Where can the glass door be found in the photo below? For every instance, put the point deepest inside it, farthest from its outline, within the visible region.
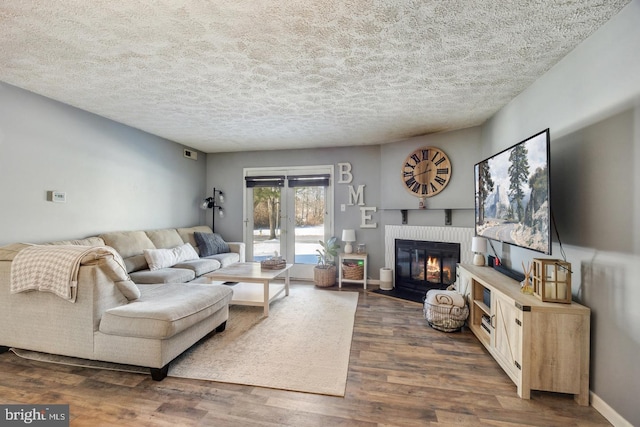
(288, 212)
(308, 220)
(267, 224)
(264, 207)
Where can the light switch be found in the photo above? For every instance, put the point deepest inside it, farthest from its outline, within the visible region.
(57, 196)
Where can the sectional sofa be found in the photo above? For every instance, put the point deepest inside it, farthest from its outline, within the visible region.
(124, 309)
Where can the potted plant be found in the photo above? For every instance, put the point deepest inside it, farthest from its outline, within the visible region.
(324, 273)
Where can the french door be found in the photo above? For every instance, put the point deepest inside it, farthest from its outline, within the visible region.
(287, 211)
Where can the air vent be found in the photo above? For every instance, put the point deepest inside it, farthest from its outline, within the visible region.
(190, 154)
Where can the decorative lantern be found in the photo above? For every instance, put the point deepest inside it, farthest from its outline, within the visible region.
(552, 280)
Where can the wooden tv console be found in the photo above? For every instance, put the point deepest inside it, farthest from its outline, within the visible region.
(541, 346)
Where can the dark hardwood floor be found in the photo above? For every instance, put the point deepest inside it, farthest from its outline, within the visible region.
(401, 373)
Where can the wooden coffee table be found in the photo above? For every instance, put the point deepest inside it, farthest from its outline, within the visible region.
(247, 275)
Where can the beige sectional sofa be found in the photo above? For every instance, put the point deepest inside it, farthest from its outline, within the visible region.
(122, 312)
(132, 244)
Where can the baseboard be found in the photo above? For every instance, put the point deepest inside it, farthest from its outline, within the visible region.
(608, 412)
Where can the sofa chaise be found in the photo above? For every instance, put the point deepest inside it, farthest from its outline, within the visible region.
(121, 310)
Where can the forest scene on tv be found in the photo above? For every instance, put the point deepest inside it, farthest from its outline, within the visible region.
(512, 195)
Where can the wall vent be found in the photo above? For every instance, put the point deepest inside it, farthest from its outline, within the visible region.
(190, 154)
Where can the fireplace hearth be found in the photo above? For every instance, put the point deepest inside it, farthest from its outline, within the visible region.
(421, 266)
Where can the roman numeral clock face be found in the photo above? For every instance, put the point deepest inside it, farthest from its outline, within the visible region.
(426, 172)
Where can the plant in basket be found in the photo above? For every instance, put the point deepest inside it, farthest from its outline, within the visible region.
(324, 273)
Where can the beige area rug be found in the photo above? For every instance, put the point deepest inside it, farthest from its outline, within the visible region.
(303, 345)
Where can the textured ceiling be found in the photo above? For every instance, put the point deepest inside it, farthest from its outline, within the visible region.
(235, 75)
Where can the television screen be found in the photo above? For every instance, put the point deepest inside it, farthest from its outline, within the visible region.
(512, 195)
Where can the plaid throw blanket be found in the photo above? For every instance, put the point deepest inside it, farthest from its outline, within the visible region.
(49, 269)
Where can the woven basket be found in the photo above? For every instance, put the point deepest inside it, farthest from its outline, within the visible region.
(445, 318)
(273, 264)
(352, 271)
(324, 277)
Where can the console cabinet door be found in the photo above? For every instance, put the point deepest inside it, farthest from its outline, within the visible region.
(507, 336)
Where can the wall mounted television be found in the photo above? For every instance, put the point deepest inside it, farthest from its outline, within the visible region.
(512, 195)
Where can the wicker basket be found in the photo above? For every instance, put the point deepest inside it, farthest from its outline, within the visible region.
(352, 271)
(446, 318)
(273, 264)
(324, 277)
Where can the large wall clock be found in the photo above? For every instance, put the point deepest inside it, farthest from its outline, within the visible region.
(426, 172)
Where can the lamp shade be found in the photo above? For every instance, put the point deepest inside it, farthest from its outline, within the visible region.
(478, 244)
(348, 235)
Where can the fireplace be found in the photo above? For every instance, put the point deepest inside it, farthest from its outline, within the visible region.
(424, 265)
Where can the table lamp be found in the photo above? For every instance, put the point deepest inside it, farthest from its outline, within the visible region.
(479, 246)
(348, 237)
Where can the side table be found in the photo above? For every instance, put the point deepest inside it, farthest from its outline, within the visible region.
(353, 257)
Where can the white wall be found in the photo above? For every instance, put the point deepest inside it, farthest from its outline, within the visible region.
(591, 100)
(115, 177)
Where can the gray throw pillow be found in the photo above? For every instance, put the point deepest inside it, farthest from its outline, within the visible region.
(210, 244)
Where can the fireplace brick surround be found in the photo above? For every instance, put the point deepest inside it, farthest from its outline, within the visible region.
(460, 235)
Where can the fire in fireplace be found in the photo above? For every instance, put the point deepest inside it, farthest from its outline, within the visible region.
(422, 265)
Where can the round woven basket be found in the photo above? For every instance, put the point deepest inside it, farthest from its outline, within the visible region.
(324, 277)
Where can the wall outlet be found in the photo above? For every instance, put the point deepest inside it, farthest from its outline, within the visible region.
(56, 196)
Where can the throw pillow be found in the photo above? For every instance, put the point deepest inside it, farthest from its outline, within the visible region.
(163, 258)
(186, 252)
(159, 258)
(210, 244)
